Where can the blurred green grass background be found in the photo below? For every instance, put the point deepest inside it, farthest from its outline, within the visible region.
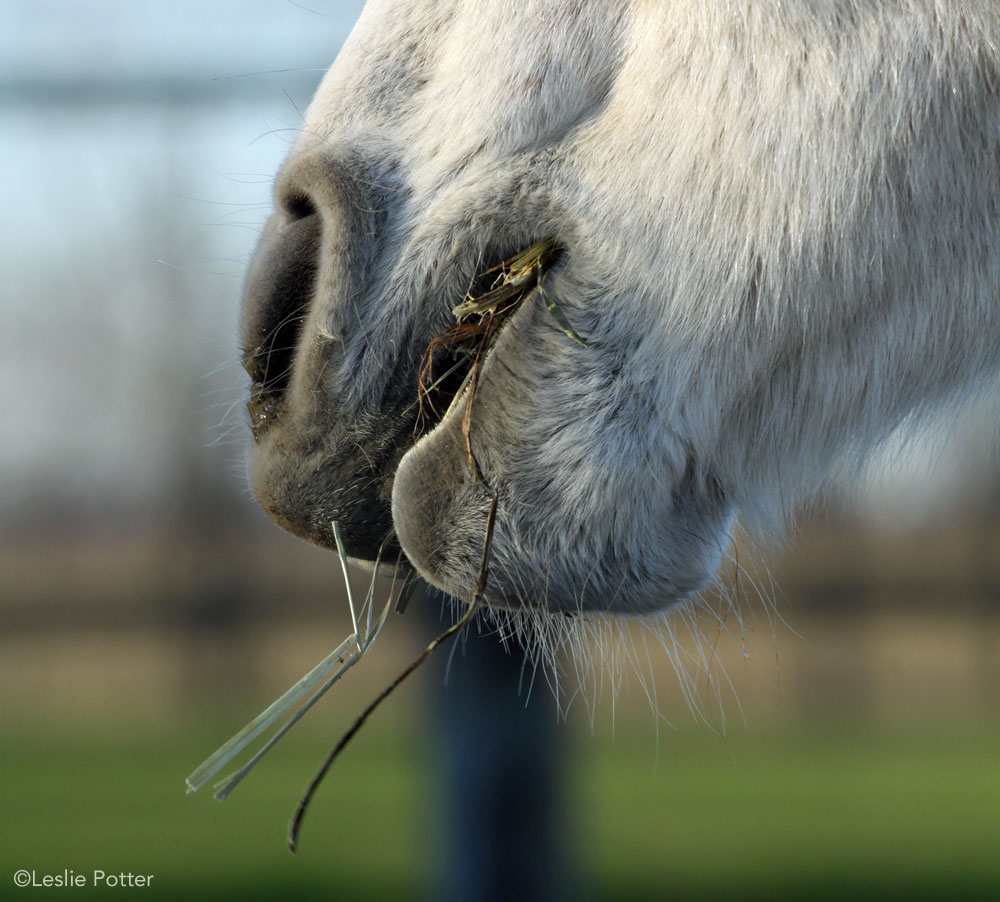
(860, 755)
(775, 811)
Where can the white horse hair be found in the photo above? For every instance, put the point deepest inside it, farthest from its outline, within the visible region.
(779, 227)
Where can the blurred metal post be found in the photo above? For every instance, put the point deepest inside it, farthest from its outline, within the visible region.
(499, 792)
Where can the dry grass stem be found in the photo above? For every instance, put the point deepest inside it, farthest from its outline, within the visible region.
(311, 687)
(480, 316)
(295, 825)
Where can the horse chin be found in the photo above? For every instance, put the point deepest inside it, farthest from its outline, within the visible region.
(441, 504)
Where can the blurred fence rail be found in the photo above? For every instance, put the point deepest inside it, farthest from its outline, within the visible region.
(887, 625)
(951, 567)
(90, 90)
(145, 578)
(150, 580)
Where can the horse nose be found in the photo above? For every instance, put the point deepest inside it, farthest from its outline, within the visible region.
(276, 299)
(310, 257)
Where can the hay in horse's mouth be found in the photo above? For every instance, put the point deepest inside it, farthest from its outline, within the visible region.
(496, 295)
(453, 358)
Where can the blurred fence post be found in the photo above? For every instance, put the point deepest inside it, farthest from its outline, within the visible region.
(498, 772)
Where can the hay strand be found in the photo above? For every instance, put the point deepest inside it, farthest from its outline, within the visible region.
(295, 825)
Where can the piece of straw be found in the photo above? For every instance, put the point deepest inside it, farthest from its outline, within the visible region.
(295, 824)
(342, 657)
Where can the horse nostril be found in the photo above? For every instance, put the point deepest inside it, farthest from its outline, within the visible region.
(297, 206)
(276, 300)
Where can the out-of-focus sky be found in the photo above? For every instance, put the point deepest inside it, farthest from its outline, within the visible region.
(138, 142)
(144, 38)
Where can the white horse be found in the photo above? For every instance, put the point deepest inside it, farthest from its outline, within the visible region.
(776, 228)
